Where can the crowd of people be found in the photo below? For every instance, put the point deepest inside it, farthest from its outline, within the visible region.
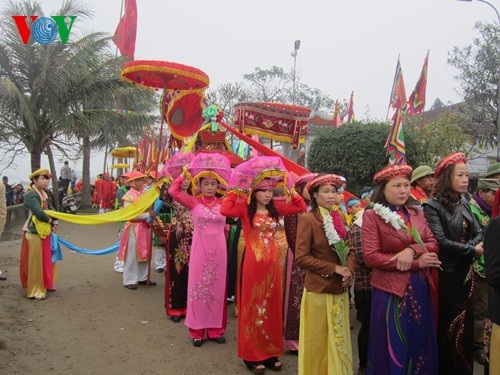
(425, 286)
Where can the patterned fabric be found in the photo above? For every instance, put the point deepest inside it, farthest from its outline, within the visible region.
(325, 179)
(362, 272)
(294, 284)
(392, 171)
(397, 343)
(178, 251)
(418, 194)
(206, 305)
(456, 158)
(261, 294)
(456, 320)
(329, 352)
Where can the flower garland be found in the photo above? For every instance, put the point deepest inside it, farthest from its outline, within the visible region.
(334, 239)
(397, 223)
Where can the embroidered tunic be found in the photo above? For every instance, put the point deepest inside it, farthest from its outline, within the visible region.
(206, 296)
(260, 320)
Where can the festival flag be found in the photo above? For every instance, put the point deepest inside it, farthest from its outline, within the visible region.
(398, 92)
(337, 119)
(126, 31)
(416, 102)
(395, 143)
(350, 111)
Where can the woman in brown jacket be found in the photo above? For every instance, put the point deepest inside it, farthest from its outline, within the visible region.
(321, 249)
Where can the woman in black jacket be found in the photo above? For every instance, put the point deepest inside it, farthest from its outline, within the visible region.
(459, 237)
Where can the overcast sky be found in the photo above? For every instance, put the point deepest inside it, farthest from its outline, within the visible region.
(345, 45)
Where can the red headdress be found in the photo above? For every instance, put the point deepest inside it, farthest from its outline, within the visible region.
(305, 178)
(324, 179)
(391, 171)
(456, 158)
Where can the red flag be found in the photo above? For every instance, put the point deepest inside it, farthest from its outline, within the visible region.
(337, 119)
(126, 31)
(416, 102)
(350, 111)
(398, 92)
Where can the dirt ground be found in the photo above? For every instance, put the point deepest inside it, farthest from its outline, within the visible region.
(93, 325)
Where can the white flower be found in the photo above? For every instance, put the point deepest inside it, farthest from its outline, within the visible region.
(330, 231)
(389, 216)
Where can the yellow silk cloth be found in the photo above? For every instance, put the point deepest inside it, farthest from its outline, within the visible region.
(132, 210)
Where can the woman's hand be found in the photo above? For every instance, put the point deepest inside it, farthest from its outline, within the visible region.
(428, 260)
(404, 259)
(346, 275)
(478, 250)
(152, 214)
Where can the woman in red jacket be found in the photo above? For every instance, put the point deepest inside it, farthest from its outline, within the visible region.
(402, 337)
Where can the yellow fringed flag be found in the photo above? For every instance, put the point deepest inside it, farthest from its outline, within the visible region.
(134, 209)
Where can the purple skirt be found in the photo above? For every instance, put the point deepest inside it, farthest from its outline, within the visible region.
(402, 338)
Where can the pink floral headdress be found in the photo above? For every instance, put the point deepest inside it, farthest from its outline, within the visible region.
(212, 165)
(260, 172)
(173, 166)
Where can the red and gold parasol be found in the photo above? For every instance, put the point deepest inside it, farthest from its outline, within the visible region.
(183, 113)
(164, 75)
(278, 121)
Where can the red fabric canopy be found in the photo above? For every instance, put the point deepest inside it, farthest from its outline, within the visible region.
(164, 75)
(278, 121)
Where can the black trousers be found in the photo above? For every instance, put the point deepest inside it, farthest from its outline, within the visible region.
(363, 302)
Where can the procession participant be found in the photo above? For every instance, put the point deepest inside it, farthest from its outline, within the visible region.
(366, 195)
(362, 291)
(260, 323)
(36, 268)
(322, 251)
(65, 177)
(150, 180)
(354, 209)
(493, 171)
(120, 192)
(401, 305)
(135, 241)
(492, 271)
(206, 313)
(105, 194)
(481, 205)
(459, 236)
(422, 182)
(95, 195)
(178, 243)
(178, 254)
(294, 282)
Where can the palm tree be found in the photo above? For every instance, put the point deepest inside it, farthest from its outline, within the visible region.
(63, 95)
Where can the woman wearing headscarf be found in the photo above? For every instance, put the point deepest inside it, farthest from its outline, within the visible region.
(321, 249)
(206, 312)
(400, 249)
(36, 268)
(459, 237)
(260, 322)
